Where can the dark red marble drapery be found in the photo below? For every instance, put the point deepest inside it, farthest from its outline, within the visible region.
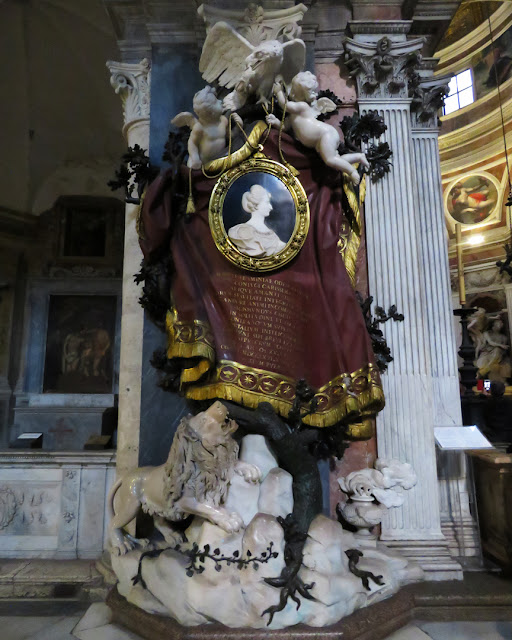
(255, 335)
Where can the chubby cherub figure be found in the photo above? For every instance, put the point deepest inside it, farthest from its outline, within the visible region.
(303, 108)
(207, 139)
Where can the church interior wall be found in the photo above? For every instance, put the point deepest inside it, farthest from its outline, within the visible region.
(62, 159)
(472, 149)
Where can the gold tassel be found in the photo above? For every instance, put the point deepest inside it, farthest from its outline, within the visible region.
(191, 207)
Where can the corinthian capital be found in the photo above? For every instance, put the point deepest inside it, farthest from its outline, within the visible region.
(132, 82)
(382, 69)
(427, 99)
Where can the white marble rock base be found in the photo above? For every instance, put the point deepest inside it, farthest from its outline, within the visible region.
(238, 597)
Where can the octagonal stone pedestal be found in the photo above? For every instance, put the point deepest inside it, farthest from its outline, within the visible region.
(480, 597)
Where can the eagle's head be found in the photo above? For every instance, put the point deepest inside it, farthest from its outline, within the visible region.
(266, 57)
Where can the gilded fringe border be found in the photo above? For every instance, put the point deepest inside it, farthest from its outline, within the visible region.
(364, 404)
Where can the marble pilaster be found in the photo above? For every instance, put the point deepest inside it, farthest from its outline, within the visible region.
(384, 64)
(456, 521)
(132, 83)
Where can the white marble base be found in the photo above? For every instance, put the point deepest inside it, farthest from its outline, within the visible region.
(238, 597)
(54, 503)
(435, 560)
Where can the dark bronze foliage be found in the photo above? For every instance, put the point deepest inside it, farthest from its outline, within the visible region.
(358, 129)
(198, 556)
(378, 156)
(134, 174)
(380, 347)
(156, 273)
(364, 129)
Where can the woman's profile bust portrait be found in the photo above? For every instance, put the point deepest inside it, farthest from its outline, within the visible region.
(254, 237)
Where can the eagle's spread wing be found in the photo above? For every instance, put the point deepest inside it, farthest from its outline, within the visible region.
(223, 56)
(184, 119)
(294, 59)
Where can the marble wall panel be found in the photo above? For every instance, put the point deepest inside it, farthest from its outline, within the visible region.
(54, 505)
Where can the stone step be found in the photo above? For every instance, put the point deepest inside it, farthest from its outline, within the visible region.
(62, 580)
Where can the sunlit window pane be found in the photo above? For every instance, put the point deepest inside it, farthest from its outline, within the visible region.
(464, 80)
(451, 104)
(466, 97)
(460, 92)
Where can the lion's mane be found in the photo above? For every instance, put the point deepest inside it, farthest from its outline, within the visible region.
(196, 471)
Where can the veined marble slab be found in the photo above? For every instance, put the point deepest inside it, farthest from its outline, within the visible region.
(53, 504)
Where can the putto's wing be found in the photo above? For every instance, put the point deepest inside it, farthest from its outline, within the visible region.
(294, 59)
(325, 105)
(223, 56)
(184, 119)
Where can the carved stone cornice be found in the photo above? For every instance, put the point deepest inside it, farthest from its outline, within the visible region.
(427, 95)
(384, 68)
(132, 83)
(255, 23)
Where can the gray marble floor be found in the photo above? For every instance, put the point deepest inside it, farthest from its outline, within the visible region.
(93, 625)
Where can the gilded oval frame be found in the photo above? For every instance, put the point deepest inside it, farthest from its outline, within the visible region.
(216, 219)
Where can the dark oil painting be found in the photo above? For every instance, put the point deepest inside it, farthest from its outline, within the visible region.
(85, 233)
(80, 344)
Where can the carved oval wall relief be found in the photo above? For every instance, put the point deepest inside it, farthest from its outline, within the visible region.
(8, 507)
(472, 199)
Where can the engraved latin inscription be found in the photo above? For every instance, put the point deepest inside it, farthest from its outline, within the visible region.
(269, 317)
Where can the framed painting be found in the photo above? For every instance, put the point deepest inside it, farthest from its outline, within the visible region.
(472, 199)
(79, 344)
(259, 215)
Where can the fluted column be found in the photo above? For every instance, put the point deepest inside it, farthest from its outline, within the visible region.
(428, 96)
(131, 82)
(384, 68)
(427, 100)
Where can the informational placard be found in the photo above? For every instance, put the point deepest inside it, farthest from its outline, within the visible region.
(461, 438)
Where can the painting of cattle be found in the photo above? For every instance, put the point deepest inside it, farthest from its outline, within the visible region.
(79, 344)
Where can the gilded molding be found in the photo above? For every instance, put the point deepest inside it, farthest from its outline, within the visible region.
(357, 393)
(220, 236)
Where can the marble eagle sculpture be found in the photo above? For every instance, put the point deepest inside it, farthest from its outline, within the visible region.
(249, 70)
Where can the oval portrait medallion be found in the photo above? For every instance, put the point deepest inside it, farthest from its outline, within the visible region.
(259, 215)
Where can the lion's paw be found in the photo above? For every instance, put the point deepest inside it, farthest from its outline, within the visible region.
(122, 548)
(249, 472)
(230, 522)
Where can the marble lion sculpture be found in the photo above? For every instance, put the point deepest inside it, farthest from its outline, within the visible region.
(194, 480)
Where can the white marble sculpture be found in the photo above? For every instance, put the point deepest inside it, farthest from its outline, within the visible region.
(202, 592)
(209, 131)
(249, 70)
(253, 237)
(304, 107)
(372, 492)
(194, 480)
(491, 353)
